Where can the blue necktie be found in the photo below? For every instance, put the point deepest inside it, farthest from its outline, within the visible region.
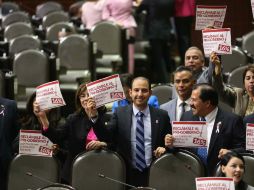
(140, 143)
(202, 151)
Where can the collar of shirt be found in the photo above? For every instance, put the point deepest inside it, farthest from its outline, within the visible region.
(179, 101)
(145, 111)
(211, 116)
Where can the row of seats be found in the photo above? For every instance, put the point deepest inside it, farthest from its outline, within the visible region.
(96, 169)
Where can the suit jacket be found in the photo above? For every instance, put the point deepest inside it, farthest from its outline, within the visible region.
(231, 136)
(8, 131)
(170, 107)
(120, 129)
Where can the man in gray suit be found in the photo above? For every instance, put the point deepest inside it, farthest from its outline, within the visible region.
(183, 81)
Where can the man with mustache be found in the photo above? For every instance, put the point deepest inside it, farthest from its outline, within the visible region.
(225, 131)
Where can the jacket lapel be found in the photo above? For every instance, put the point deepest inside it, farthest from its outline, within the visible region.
(217, 127)
(154, 126)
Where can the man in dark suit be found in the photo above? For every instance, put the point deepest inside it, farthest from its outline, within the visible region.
(124, 127)
(225, 131)
(8, 132)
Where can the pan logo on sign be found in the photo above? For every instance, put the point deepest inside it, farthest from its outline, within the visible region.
(224, 48)
(57, 100)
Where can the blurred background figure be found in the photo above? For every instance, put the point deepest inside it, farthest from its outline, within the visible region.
(91, 12)
(120, 12)
(158, 31)
(183, 17)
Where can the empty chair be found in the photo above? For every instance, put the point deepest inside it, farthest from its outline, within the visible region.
(9, 7)
(88, 166)
(248, 42)
(13, 17)
(24, 42)
(163, 92)
(25, 171)
(53, 30)
(47, 7)
(176, 171)
(75, 56)
(31, 68)
(236, 59)
(236, 77)
(53, 18)
(17, 29)
(108, 37)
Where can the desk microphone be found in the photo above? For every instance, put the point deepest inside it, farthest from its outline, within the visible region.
(117, 181)
(39, 178)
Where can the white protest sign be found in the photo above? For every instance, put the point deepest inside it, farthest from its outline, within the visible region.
(252, 7)
(218, 183)
(249, 136)
(32, 142)
(49, 96)
(210, 16)
(189, 133)
(106, 90)
(217, 40)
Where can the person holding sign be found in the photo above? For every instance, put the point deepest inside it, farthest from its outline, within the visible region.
(183, 82)
(138, 131)
(242, 100)
(232, 165)
(76, 130)
(225, 130)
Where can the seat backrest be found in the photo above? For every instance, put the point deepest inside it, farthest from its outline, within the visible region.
(236, 77)
(54, 17)
(53, 30)
(46, 168)
(74, 52)
(57, 187)
(249, 169)
(17, 29)
(31, 68)
(108, 37)
(24, 42)
(176, 171)
(2, 84)
(88, 166)
(248, 42)
(13, 17)
(9, 7)
(236, 59)
(163, 93)
(47, 7)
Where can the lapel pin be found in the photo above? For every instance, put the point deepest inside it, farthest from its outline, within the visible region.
(218, 127)
(2, 108)
(156, 121)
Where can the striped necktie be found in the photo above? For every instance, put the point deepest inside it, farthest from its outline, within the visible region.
(202, 151)
(140, 143)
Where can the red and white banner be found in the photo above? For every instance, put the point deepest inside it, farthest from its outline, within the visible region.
(32, 142)
(217, 40)
(106, 90)
(216, 183)
(49, 96)
(249, 136)
(210, 16)
(189, 133)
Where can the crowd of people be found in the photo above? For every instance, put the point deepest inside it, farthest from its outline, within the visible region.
(140, 129)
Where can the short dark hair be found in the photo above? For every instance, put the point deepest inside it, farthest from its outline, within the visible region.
(207, 93)
(249, 68)
(142, 78)
(183, 68)
(126, 79)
